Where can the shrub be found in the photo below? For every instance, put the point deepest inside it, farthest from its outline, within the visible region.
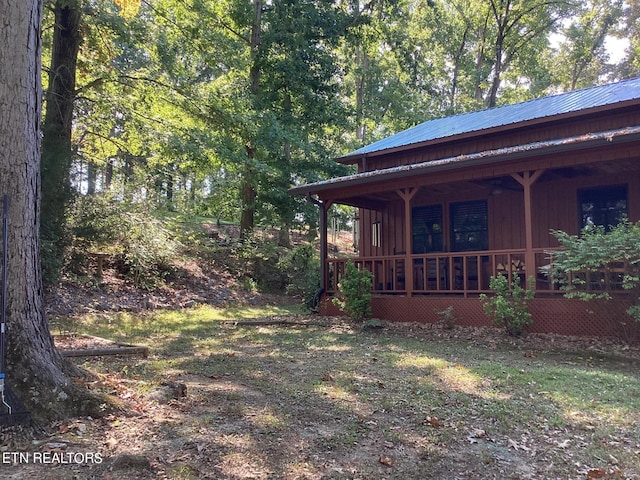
(589, 256)
(50, 260)
(301, 266)
(148, 249)
(275, 269)
(257, 264)
(141, 246)
(508, 307)
(447, 318)
(355, 291)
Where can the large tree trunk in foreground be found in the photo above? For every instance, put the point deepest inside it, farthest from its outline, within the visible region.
(35, 369)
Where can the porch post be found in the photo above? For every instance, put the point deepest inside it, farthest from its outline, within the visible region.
(323, 226)
(323, 207)
(407, 194)
(527, 179)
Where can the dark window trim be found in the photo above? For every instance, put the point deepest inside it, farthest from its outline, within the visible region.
(601, 195)
(458, 231)
(427, 228)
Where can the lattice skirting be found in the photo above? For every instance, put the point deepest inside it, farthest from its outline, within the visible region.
(550, 315)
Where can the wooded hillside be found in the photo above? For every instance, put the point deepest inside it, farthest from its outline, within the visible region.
(218, 107)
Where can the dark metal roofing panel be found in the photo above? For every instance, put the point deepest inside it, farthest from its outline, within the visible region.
(540, 108)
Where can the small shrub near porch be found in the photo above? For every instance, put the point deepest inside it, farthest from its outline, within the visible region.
(355, 292)
(508, 307)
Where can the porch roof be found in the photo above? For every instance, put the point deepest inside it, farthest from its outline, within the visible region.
(505, 117)
(480, 158)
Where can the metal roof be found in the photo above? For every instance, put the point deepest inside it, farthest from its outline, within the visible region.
(541, 108)
(490, 156)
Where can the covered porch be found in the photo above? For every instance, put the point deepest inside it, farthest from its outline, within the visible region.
(444, 228)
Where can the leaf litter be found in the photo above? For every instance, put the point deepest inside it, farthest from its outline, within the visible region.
(318, 398)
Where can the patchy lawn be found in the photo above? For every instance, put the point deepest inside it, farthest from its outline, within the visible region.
(307, 397)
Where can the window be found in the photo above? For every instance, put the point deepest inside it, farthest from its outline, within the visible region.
(469, 229)
(426, 228)
(604, 206)
(376, 234)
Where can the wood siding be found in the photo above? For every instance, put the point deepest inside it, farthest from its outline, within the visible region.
(555, 208)
(521, 136)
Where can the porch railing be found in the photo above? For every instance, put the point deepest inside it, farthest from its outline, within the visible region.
(465, 273)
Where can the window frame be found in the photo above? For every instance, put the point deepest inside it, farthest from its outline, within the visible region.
(376, 233)
(482, 233)
(602, 195)
(436, 234)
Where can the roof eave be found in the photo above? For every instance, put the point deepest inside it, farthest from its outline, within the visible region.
(476, 159)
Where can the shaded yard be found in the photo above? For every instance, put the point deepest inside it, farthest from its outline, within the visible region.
(318, 398)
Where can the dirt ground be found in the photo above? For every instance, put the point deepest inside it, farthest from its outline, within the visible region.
(225, 427)
(205, 424)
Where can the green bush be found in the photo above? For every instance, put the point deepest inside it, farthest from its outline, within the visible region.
(301, 266)
(257, 261)
(275, 269)
(508, 307)
(51, 262)
(148, 249)
(355, 292)
(141, 247)
(447, 317)
(590, 254)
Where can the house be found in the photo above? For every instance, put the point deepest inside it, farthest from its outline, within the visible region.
(447, 204)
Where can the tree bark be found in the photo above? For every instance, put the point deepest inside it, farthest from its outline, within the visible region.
(92, 177)
(56, 130)
(35, 370)
(456, 68)
(108, 173)
(248, 192)
(248, 197)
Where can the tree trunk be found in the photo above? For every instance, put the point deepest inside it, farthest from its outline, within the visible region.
(497, 69)
(248, 191)
(92, 177)
(170, 186)
(284, 236)
(456, 69)
(108, 174)
(480, 60)
(35, 370)
(248, 197)
(56, 129)
(362, 61)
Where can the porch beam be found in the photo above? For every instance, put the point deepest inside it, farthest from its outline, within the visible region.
(362, 203)
(407, 194)
(527, 179)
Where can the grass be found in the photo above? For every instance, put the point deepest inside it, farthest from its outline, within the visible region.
(170, 324)
(339, 402)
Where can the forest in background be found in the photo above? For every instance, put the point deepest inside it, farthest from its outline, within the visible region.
(218, 107)
(159, 110)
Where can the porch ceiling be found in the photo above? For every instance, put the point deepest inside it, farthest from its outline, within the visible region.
(378, 200)
(374, 189)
